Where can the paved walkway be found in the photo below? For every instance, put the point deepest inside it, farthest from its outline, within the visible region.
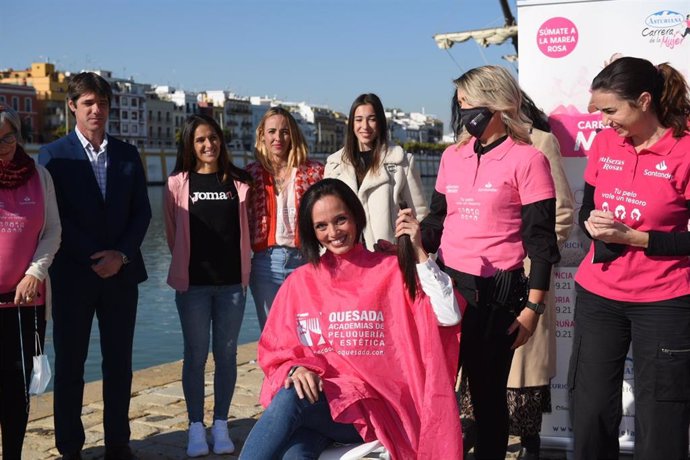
(158, 414)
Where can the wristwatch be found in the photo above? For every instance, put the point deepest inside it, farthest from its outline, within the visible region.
(537, 308)
(125, 259)
(292, 370)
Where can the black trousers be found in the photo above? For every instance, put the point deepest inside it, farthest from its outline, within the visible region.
(660, 337)
(114, 302)
(14, 385)
(485, 358)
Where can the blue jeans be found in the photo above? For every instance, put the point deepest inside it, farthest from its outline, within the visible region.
(201, 307)
(293, 428)
(269, 270)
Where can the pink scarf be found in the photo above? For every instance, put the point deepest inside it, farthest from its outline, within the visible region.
(18, 171)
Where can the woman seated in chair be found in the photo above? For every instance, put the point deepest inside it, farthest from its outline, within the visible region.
(354, 350)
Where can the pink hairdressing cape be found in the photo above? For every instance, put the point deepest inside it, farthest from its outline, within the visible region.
(387, 367)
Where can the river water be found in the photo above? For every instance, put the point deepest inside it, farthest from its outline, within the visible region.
(157, 336)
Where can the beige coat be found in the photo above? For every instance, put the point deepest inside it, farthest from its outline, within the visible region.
(534, 363)
(397, 179)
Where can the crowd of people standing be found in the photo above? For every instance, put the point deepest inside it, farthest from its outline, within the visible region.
(372, 302)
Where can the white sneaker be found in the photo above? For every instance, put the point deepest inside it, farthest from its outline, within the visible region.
(222, 444)
(197, 445)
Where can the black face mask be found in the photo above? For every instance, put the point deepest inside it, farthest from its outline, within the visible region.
(475, 120)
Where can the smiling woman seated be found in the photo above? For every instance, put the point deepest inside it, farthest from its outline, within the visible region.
(353, 353)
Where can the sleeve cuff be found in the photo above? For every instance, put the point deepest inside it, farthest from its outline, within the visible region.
(540, 275)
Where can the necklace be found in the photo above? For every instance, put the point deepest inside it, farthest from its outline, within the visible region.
(281, 179)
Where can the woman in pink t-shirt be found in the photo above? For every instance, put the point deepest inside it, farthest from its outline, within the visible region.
(29, 238)
(634, 285)
(494, 204)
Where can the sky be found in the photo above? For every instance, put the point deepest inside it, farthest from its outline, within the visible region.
(323, 52)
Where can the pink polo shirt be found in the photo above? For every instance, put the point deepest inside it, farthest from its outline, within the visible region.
(646, 191)
(485, 196)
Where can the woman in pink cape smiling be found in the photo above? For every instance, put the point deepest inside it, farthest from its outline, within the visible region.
(360, 346)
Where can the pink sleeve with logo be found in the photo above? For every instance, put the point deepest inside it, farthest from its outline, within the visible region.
(535, 182)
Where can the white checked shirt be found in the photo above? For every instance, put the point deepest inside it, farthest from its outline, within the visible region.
(98, 158)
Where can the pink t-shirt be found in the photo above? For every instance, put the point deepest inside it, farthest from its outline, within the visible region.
(21, 221)
(646, 191)
(485, 196)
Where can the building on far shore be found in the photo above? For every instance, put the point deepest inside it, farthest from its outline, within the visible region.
(49, 107)
(151, 116)
(22, 99)
(164, 121)
(414, 127)
(127, 118)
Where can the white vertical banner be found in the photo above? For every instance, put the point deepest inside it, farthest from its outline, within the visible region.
(563, 45)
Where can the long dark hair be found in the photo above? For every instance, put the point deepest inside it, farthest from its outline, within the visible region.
(406, 258)
(629, 77)
(186, 158)
(351, 150)
(539, 119)
(310, 245)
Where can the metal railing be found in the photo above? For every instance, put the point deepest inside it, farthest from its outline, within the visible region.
(159, 162)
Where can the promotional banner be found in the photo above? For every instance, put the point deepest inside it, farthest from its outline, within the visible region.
(563, 45)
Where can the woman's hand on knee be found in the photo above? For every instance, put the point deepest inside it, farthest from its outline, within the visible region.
(307, 384)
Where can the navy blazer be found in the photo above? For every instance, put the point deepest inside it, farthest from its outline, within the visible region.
(90, 223)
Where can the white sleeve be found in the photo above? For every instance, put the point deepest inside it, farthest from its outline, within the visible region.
(439, 287)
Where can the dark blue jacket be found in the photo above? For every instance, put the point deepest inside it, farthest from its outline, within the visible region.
(90, 223)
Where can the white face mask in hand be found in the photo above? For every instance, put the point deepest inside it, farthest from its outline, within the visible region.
(41, 374)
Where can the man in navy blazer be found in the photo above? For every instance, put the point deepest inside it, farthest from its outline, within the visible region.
(104, 208)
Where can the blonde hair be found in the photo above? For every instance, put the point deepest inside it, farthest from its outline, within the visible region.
(495, 88)
(298, 147)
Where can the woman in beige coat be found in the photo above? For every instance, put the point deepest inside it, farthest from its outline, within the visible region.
(381, 175)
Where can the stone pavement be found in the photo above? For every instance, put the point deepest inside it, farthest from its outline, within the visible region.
(158, 417)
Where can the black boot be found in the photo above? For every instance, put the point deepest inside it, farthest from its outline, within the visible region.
(532, 445)
(469, 434)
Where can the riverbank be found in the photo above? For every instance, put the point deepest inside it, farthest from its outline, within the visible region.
(158, 417)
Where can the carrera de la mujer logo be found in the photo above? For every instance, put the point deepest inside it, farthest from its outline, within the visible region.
(666, 28)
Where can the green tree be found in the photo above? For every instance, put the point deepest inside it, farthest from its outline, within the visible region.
(59, 132)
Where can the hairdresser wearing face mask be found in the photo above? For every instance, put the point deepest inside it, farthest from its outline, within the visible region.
(493, 204)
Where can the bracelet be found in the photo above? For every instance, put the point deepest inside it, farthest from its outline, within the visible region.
(292, 370)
